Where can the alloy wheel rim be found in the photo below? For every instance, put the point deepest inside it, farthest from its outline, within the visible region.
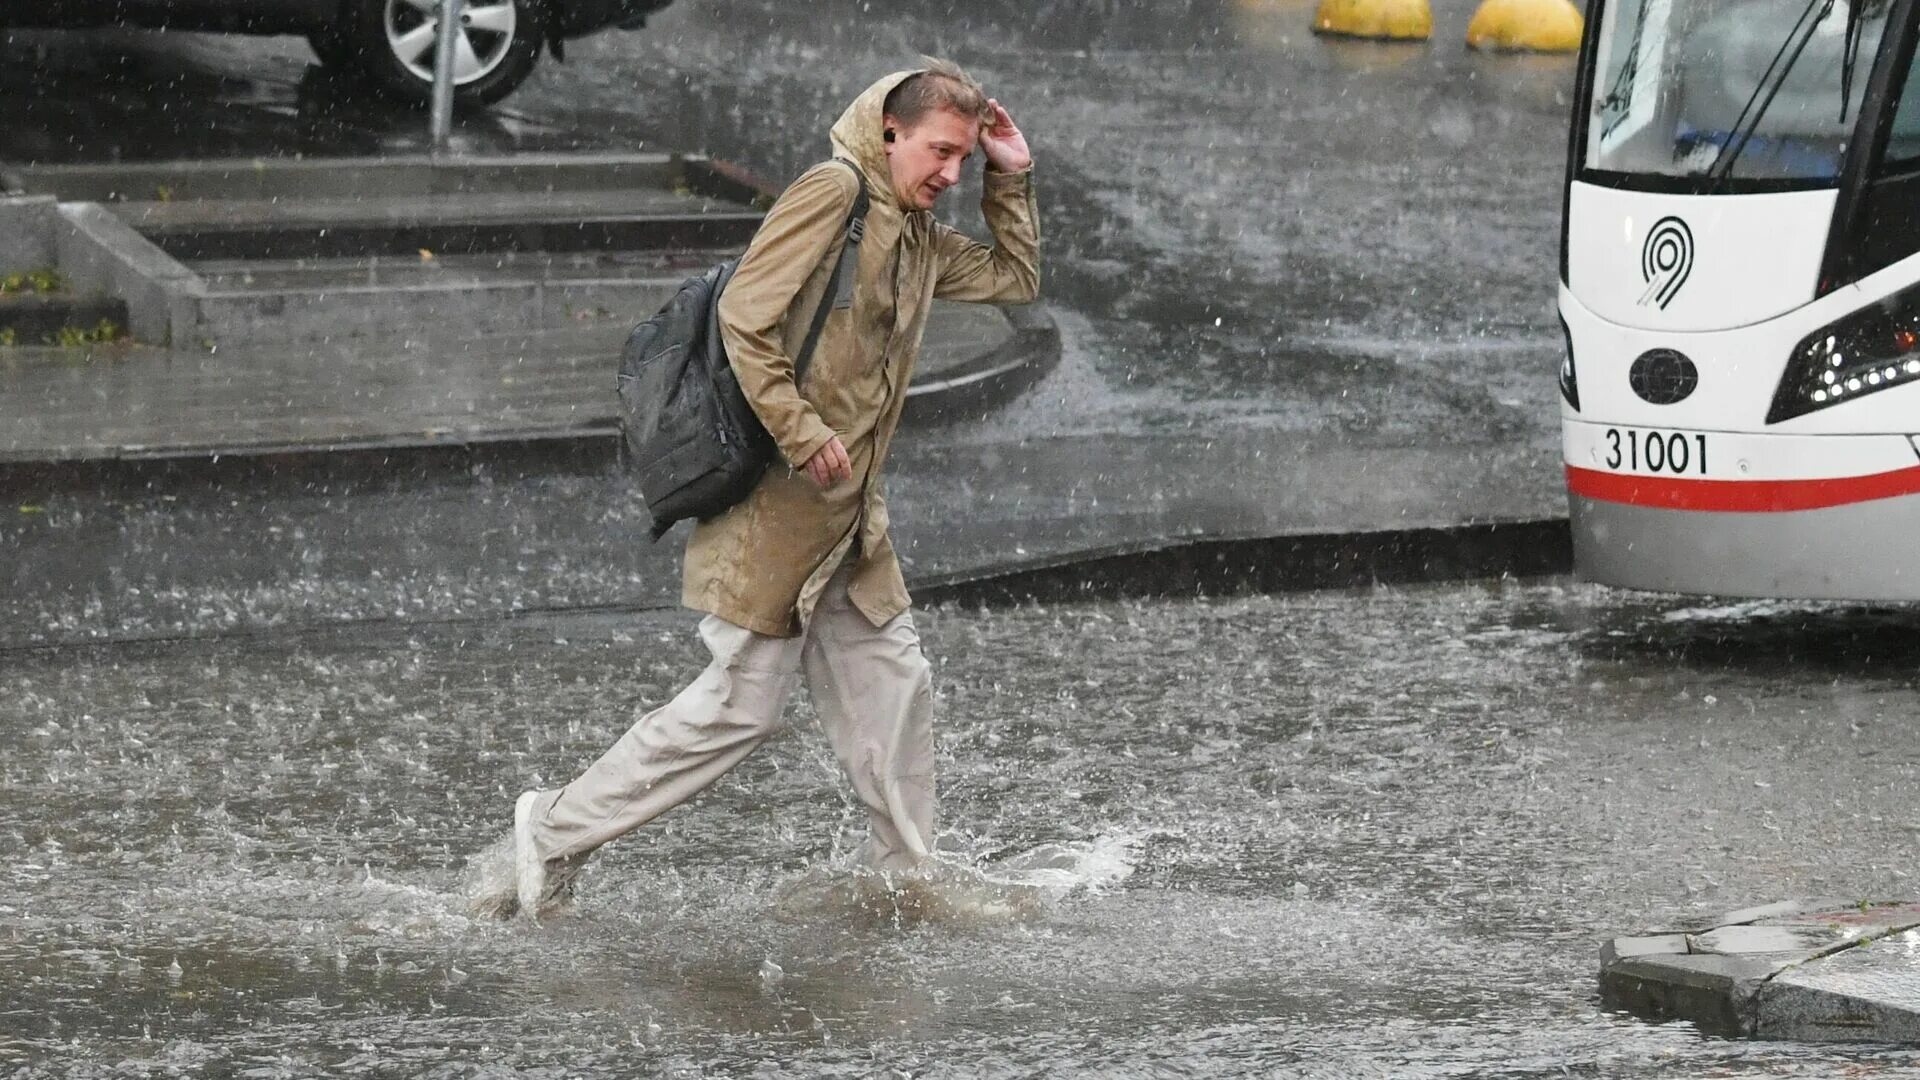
(486, 32)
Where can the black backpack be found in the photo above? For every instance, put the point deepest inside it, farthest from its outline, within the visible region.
(691, 438)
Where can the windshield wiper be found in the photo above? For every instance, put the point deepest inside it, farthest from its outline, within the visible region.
(1850, 55)
(1771, 80)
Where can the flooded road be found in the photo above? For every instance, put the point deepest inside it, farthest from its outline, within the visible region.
(1368, 833)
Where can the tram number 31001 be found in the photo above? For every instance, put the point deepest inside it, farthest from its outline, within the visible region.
(1657, 451)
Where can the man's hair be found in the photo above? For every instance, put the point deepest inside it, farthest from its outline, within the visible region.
(942, 85)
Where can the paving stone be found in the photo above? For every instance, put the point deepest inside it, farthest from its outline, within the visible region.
(1808, 939)
(1881, 917)
(1621, 948)
(1782, 909)
(1868, 993)
(1715, 992)
(1808, 970)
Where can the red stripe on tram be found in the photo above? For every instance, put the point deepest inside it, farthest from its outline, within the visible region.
(1740, 496)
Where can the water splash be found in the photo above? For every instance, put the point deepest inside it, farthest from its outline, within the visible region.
(950, 889)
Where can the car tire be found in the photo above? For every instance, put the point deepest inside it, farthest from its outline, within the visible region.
(390, 43)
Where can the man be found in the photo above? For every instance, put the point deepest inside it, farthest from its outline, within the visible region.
(800, 579)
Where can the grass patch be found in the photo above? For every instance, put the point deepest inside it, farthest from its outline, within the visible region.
(100, 333)
(42, 280)
(104, 332)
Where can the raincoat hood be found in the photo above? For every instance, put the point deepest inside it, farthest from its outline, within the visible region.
(858, 137)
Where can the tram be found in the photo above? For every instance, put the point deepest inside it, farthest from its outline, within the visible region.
(1740, 291)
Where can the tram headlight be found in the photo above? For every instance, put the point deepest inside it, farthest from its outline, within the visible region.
(1569, 383)
(1872, 349)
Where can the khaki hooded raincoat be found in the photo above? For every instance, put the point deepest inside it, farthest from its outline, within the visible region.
(763, 564)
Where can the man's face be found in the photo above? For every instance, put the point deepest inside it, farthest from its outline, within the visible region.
(926, 158)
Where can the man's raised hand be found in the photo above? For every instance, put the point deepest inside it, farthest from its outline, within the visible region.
(1001, 141)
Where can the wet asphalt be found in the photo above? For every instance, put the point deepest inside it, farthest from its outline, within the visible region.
(1334, 834)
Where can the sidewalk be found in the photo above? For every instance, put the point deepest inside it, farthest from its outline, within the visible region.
(131, 403)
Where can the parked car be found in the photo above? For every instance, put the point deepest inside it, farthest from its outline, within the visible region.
(390, 43)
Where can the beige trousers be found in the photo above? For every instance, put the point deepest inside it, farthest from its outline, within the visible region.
(874, 695)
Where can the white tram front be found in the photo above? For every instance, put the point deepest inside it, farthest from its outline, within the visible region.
(1740, 287)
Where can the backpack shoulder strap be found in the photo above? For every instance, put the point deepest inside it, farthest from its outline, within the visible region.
(840, 283)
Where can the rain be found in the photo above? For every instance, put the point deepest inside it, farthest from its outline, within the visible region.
(1275, 733)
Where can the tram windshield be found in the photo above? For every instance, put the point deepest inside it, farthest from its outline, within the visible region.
(1732, 90)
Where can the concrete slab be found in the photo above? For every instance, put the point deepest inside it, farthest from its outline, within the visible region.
(333, 228)
(26, 232)
(411, 270)
(1795, 970)
(133, 402)
(97, 252)
(1859, 916)
(1810, 940)
(1714, 992)
(137, 231)
(288, 177)
(1780, 909)
(1866, 994)
(1621, 948)
(375, 316)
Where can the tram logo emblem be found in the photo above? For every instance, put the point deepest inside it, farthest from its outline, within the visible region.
(1665, 261)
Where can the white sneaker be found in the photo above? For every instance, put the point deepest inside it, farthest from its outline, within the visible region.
(529, 869)
(488, 882)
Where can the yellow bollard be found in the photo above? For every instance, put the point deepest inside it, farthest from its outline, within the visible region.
(1526, 26)
(1387, 20)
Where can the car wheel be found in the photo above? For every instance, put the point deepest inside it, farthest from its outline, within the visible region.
(393, 43)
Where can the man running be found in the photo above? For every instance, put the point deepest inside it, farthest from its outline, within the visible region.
(800, 579)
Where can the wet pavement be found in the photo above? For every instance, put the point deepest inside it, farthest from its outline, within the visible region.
(1351, 239)
(1811, 970)
(1303, 285)
(1339, 834)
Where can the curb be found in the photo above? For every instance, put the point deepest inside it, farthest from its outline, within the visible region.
(1259, 564)
(995, 378)
(345, 464)
(1803, 970)
(1177, 568)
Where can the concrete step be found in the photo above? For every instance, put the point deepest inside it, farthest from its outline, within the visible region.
(44, 318)
(267, 179)
(449, 224)
(338, 299)
(411, 270)
(281, 251)
(383, 312)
